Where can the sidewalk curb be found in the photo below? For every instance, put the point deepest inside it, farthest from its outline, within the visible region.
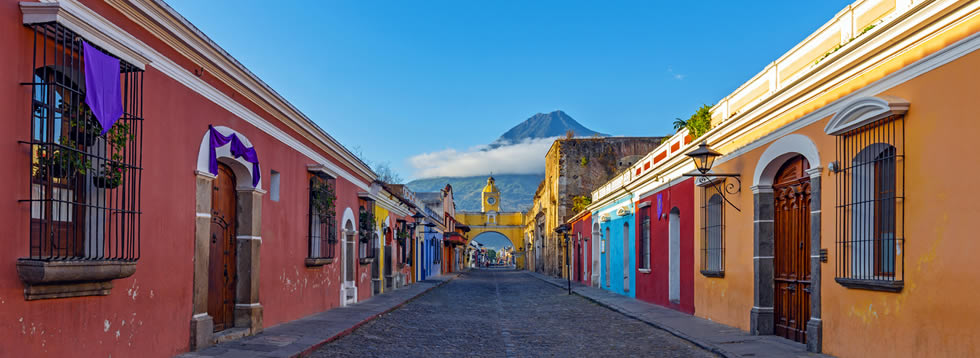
(700, 343)
(344, 333)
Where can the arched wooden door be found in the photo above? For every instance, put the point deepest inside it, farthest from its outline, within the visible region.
(791, 191)
(221, 266)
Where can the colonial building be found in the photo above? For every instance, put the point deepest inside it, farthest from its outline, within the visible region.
(192, 204)
(573, 168)
(825, 219)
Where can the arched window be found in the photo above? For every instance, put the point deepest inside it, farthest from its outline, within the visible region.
(712, 236)
(605, 249)
(626, 256)
(870, 211)
(643, 253)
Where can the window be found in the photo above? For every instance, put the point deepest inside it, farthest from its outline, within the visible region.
(870, 199)
(274, 186)
(626, 256)
(605, 247)
(367, 233)
(712, 233)
(85, 185)
(644, 251)
(322, 218)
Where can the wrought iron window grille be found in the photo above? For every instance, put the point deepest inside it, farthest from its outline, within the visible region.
(712, 234)
(85, 187)
(323, 230)
(870, 199)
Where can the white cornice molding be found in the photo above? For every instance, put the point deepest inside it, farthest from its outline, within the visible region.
(864, 110)
(188, 79)
(168, 26)
(86, 23)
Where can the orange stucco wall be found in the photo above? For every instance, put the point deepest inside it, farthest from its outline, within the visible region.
(936, 314)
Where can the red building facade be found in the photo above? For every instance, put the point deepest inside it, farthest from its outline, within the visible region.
(664, 219)
(581, 253)
(187, 228)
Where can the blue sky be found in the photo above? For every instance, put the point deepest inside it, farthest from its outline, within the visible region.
(397, 79)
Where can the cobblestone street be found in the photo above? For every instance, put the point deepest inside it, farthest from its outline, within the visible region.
(503, 313)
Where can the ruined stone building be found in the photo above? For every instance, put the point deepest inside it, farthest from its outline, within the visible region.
(573, 168)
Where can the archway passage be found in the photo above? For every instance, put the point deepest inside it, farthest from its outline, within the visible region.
(514, 235)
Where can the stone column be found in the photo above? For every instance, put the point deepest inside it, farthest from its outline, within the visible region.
(248, 310)
(202, 325)
(814, 327)
(761, 321)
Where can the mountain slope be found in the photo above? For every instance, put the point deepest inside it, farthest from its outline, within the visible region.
(516, 190)
(543, 125)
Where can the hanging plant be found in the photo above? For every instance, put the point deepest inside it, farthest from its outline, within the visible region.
(323, 199)
(366, 223)
(112, 170)
(60, 163)
(82, 126)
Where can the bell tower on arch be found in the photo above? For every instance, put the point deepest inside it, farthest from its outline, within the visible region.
(491, 197)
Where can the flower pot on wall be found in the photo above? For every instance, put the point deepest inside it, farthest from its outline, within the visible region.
(104, 182)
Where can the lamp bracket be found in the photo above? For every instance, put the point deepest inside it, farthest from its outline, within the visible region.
(731, 187)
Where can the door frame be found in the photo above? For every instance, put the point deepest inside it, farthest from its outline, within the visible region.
(248, 310)
(349, 234)
(762, 316)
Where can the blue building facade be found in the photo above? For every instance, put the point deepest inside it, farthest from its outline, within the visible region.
(617, 259)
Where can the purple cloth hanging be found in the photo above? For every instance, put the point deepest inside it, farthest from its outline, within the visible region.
(238, 150)
(102, 92)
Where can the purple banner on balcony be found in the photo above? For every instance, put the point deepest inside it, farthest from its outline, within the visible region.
(238, 150)
(102, 93)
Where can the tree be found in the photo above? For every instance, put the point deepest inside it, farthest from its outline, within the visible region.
(698, 124)
(579, 203)
(569, 134)
(491, 255)
(386, 174)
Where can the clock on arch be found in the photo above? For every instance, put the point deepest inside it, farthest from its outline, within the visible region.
(491, 200)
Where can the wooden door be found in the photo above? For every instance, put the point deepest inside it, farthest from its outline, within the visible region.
(221, 267)
(792, 249)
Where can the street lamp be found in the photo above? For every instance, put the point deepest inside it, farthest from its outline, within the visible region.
(704, 158)
(563, 231)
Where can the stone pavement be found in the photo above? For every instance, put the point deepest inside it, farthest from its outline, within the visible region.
(723, 340)
(301, 337)
(506, 313)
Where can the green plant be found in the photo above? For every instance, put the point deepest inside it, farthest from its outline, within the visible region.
(112, 170)
(323, 199)
(584, 161)
(579, 203)
(698, 124)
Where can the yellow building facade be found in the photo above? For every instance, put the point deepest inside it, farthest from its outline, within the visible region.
(844, 221)
(491, 220)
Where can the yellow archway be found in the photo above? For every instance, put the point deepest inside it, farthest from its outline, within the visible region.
(491, 219)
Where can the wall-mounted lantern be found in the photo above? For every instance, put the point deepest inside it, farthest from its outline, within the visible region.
(704, 158)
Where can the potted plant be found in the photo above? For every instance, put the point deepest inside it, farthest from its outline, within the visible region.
(82, 126)
(52, 164)
(61, 163)
(111, 175)
(323, 199)
(366, 222)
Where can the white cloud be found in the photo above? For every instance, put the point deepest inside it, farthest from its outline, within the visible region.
(677, 76)
(526, 157)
